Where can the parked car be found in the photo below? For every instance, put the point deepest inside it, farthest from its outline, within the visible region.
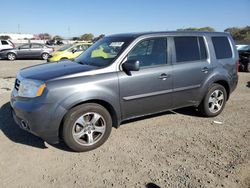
(69, 51)
(244, 53)
(30, 50)
(141, 74)
(6, 44)
(54, 42)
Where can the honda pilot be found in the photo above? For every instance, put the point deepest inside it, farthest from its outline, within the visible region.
(121, 77)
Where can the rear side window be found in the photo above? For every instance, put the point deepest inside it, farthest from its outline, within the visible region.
(222, 47)
(190, 49)
(4, 42)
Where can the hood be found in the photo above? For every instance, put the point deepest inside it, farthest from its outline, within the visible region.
(49, 71)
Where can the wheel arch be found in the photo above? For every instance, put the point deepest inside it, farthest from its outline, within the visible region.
(225, 84)
(105, 104)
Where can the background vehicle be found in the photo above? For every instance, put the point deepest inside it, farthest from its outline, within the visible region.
(30, 50)
(6, 44)
(244, 53)
(54, 42)
(69, 51)
(132, 75)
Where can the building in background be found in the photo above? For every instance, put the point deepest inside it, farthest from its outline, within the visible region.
(18, 36)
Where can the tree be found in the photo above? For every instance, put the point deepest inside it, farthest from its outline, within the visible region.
(87, 37)
(76, 38)
(98, 38)
(44, 36)
(210, 29)
(5, 37)
(239, 34)
(57, 37)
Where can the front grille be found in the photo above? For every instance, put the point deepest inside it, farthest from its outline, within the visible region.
(17, 84)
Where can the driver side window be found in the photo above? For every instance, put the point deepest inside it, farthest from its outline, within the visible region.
(150, 52)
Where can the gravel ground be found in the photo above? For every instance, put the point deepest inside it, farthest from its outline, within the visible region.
(174, 149)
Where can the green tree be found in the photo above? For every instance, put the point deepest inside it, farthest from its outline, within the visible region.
(5, 37)
(197, 29)
(87, 37)
(240, 34)
(57, 37)
(44, 36)
(98, 38)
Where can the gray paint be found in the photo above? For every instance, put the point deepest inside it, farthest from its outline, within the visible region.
(143, 92)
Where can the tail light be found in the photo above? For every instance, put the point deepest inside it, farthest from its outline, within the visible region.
(13, 45)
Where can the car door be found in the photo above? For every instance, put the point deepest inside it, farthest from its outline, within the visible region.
(23, 51)
(149, 89)
(191, 67)
(36, 50)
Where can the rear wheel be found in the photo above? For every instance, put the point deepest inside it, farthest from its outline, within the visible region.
(214, 101)
(11, 56)
(45, 56)
(86, 127)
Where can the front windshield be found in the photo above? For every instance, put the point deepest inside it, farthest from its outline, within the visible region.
(65, 47)
(104, 51)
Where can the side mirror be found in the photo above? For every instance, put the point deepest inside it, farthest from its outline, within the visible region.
(73, 50)
(131, 65)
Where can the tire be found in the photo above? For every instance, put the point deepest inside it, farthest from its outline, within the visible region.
(45, 56)
(247, 67)
(11, 56)
(83, 121)
(214, 101)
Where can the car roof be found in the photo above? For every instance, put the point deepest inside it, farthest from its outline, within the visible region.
(156, 33)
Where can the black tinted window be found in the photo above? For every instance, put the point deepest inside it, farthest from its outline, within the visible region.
(222, 47)
(189, 48)
(4, 42)
(150, 52)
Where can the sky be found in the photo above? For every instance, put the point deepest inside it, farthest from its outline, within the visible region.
(70, 18)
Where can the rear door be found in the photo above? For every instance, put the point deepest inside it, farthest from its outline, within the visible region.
(149, 89)
(191, 67)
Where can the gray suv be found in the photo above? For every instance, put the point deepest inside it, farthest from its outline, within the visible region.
(122, 77)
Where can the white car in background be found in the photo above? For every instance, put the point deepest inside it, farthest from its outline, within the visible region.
(6, 44)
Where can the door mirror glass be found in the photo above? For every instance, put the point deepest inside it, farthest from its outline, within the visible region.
(131, 65)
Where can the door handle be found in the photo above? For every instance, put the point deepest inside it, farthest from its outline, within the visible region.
(164, 76)
(205, 70)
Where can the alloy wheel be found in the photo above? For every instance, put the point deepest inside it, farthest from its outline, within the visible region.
(215, 101)
(89, 128)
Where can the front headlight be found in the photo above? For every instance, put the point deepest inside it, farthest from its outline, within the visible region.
(31, 88)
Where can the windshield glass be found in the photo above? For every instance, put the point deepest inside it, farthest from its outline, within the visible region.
(243, 47)
(65, 47)
(104, 51)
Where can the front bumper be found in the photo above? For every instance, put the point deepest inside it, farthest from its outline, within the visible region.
(37, 118)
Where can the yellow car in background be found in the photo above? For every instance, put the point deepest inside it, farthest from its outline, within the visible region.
(70, 51)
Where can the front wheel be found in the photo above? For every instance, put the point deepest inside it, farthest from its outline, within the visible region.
(11, 56)
(86, 127)
(214, 101)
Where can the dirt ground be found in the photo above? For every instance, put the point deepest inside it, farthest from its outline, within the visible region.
(174, 149)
